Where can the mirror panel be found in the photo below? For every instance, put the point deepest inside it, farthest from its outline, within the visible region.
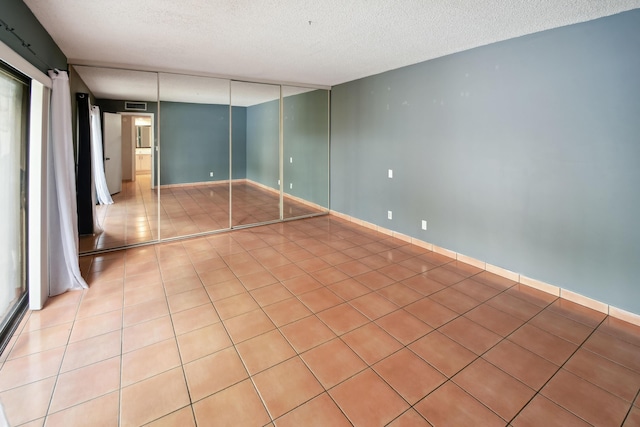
(306, 151)
(234, 154)
(255, 194)
(123, 96)
(194, 161)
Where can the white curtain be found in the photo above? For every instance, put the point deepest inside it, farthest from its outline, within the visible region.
(64, 271)
(97, 159)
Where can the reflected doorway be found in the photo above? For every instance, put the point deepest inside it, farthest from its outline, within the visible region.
(133, 216)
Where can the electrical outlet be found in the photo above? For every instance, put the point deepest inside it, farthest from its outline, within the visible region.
(424, 224)
(290, 159)
(390, 173)
(291, 185)
(210, 173)
(278, 182)
(389, 215)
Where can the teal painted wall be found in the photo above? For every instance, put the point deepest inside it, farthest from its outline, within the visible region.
(263, 143)
(523, 154)
(194, 140)
(306, 140)
(239, 142)
(18, 16)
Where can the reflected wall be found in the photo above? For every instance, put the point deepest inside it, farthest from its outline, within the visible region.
(256, 198)
(194, 173)
(305, 150)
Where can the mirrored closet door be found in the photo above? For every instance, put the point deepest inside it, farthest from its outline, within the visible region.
(194, 159)
(305, 151)
(255, 193)
(199, 155)
(127, 102)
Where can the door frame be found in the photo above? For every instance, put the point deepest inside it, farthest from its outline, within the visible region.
(107, 152)
(154, 146)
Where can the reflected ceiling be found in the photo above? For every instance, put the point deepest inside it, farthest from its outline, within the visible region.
(109, 83)
(106, 83)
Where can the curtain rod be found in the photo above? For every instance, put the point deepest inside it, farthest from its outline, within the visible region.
(27, 46)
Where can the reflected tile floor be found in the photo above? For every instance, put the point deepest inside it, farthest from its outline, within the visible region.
(314, 322)
(184, 210)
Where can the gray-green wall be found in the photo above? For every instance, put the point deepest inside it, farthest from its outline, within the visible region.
(18, 16)
(239, 142)
(306, 127)
(523, 154)
(263, 143)
(194, 140)
(305, 133)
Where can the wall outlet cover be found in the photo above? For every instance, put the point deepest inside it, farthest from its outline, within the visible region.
(389, 215)
(424, 224)
(390, 173)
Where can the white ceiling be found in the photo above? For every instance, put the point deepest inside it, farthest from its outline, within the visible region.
(311, 42)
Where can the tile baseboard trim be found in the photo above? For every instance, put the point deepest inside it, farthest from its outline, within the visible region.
(503, 272)
(199, 183)
(286, 195)
(585, 301)
(516, 277)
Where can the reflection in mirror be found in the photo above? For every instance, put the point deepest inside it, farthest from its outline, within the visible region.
(306, 151)
(255, 193)
(124, 97)
(233, 154)
(194, 160)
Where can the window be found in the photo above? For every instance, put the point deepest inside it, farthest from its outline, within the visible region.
(14, 118)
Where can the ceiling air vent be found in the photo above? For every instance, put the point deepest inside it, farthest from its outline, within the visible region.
(135, 106)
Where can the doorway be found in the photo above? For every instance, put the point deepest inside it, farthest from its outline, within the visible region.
(138, 138)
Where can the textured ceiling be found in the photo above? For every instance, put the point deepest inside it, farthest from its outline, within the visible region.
(312, 42)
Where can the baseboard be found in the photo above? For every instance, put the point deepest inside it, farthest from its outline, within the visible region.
(516, 277)
(201, 183)
(249, 182)
(286, 195)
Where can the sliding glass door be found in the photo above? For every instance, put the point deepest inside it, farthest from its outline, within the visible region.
(14, 104)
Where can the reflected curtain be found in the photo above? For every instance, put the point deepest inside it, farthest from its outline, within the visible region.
(64, 270)
(97, 159)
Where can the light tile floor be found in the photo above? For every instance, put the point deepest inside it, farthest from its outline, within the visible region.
(314, 322)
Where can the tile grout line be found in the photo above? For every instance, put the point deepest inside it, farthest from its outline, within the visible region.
(338, 336)
(450, 379)
(630, 408)
(234, 344)
(175, 339)
(537, 392)
(64, 353)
